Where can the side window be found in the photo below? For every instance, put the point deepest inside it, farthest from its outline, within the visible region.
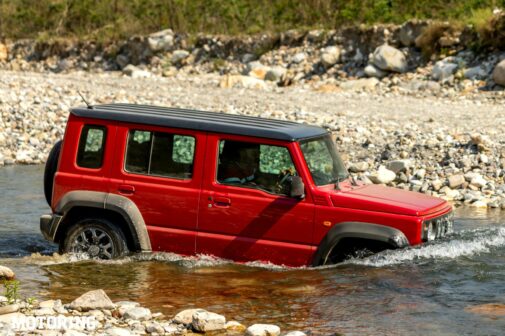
(254, 165)
(274, 159)
(160, 154)
(91, 146)
(184, 149)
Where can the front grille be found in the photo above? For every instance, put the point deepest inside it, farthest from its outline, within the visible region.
(440, 227)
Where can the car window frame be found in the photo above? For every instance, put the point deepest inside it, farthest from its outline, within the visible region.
(216, 170)
(153, 131)
(81, 145)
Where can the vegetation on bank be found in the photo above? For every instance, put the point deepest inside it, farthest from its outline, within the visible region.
(116, 19)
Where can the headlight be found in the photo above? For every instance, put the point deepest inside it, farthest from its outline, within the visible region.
(432, 233)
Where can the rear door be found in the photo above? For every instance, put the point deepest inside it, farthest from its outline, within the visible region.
(160, 170)
(253, 220)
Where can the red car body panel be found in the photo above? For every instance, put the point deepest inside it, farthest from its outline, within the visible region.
(201, 216)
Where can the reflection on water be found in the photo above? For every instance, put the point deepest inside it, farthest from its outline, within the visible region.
(447, 288)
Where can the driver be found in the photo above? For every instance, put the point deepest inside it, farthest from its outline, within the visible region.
(239, 162)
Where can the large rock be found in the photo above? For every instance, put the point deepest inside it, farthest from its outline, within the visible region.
(263, 330)
(360, 84)
(9, 309)
(92, 300)
(4, 54)
(204, 321)
(478, 181)
(178, 56)
(382, 176)
(330, 56)
(476, 72)
(186, 316)
(389, 58)
(161, 41)
(456, 181)
(373, 71)
(246, 82)
(138, 313)
(6, 273)
(499, 73)
(358, 167)
(443, 71)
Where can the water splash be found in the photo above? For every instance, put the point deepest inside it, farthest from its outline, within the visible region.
(464, 244)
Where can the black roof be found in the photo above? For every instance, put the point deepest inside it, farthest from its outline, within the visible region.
(201, 120)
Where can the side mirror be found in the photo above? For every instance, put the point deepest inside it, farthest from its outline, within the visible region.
(297, 188)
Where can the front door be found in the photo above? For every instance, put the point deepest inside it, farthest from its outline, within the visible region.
(245, 213)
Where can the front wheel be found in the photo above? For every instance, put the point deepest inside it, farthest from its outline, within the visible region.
(95, 238)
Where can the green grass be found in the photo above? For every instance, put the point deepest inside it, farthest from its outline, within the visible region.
(115, 19)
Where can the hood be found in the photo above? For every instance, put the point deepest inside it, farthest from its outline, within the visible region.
(386, 199)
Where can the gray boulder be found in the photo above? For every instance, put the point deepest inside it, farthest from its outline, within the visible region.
(456, 181)
(372, 71)
(330, 56)
(161, 41)
(138, 313)
(389, 58)
(443, 71)
(186, 316)
(92, 300)
(499, 73)
(204, 321)
(476, 72)
(382, 176)
(178, 56)
(359, 167)
(263, 330)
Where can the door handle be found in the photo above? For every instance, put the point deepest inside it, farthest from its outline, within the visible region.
(126, 189)
(221, 201)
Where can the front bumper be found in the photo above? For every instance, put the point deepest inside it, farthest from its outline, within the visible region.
(49, 226)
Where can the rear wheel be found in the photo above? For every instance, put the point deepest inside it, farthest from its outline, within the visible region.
(96, 238)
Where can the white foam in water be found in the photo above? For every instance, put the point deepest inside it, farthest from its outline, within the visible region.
(480, 242)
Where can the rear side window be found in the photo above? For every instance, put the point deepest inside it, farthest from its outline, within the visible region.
(160, 154)
(91, 146)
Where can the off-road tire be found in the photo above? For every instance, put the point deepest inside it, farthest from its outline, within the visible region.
(110, 233)
(50, 171)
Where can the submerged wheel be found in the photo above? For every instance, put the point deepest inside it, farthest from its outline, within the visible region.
(50, 171)
(96, 238)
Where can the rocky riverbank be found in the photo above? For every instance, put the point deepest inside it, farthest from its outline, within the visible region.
(94, 313)
(430, 124)
(450, 147)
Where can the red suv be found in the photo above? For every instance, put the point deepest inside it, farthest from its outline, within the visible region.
(132, 178)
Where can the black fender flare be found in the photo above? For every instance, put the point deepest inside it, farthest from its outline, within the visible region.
(125, 207)
(382, 233)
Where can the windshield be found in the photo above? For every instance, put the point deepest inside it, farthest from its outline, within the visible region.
(324, 163)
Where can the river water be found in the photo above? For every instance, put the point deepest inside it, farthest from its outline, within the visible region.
(453, 287)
